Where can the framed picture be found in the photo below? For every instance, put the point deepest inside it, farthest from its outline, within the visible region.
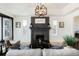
(61, 24)
(18, 24)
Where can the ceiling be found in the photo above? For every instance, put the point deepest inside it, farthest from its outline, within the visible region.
(28, 8)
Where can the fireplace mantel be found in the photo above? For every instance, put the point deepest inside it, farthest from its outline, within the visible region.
(42, 31)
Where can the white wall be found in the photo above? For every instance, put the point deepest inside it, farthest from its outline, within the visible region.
(19, 33)
(69, 22)
(59, 30)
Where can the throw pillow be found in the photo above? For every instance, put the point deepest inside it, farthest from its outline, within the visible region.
(16, 45)
(8, 44)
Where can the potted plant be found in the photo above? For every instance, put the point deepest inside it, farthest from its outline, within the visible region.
(69, 40)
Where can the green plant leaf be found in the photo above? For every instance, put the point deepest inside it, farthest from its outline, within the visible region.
(69, 40)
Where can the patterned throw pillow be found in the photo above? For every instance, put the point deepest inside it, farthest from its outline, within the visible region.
(8, 44)
(16, 45)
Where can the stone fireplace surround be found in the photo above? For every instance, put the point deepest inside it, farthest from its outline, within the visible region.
(40, 33)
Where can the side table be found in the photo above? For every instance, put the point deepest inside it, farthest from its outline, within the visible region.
(2, 49)
(77, 44)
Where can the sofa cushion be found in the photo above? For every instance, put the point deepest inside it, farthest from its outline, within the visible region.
(24, 46)
(61, 52)
(8, 44)
(30, 52)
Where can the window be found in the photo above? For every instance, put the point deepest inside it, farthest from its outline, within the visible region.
(7, 28)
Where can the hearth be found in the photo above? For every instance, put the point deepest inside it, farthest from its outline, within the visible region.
(40, 38)
(40, 32)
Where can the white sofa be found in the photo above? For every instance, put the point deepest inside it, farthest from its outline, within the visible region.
(25, 51)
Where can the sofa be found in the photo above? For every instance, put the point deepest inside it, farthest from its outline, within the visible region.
(26, 51)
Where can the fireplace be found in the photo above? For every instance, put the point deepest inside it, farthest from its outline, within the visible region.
(40, 33)
(40, 38)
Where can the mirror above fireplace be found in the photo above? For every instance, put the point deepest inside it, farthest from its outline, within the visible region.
(40, 21)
